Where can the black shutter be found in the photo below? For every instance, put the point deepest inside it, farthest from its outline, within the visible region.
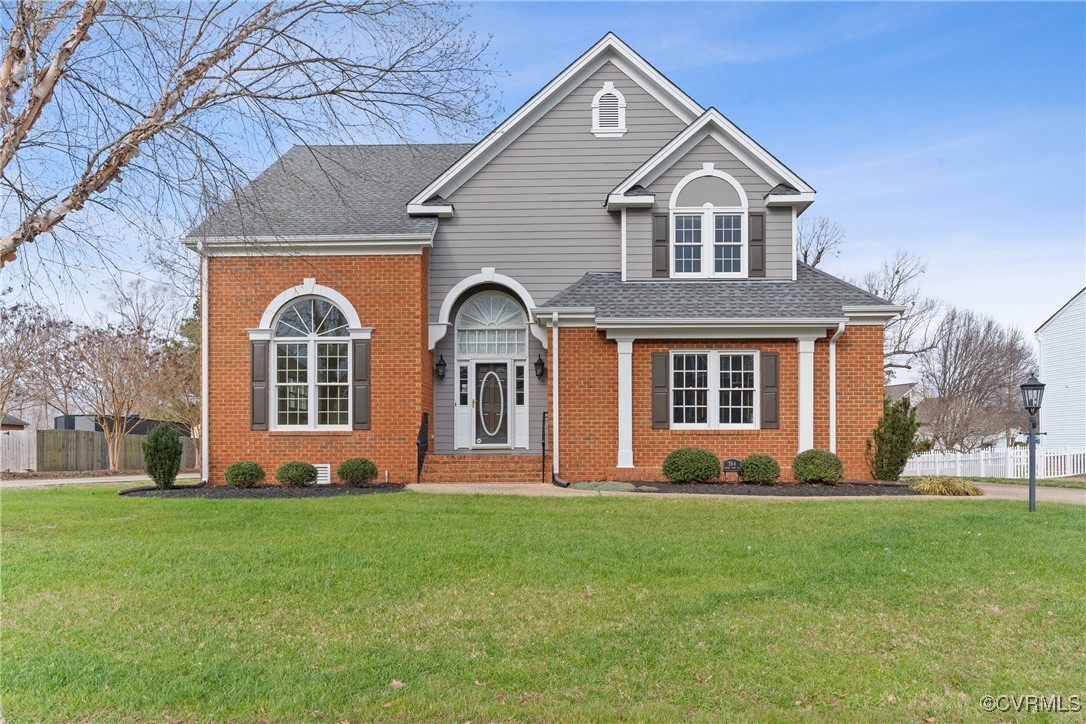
(660, 390)
(360, 414)
(771, 391)
(258, 383)
(660, 228)
(757, 245)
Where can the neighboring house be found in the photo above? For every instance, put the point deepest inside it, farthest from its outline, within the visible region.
(1062, 344)
(921, 404)
(10, 422)
(91, 423)
(613, 259)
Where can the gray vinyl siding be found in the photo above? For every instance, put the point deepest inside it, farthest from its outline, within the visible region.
(778, 243)
(536, 214)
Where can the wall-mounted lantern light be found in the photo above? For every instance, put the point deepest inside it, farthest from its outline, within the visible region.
(540, 367)
(440, 366)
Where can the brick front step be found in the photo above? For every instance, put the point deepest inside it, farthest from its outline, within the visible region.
(496, 468)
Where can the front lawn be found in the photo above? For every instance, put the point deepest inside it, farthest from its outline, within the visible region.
(414, 606)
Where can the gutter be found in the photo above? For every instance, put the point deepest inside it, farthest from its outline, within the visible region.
(833, 386)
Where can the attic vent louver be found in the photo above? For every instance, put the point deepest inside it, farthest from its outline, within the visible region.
(608, 112)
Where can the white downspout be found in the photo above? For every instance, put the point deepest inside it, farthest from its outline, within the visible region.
(554, 386)
(623, 214)
(205, 462)
(833, 386)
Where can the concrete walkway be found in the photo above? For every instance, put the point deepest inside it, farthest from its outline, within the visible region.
(993, 491)
(5, 484)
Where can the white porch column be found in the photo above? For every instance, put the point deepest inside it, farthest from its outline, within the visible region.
(625, 402)
(806, 392)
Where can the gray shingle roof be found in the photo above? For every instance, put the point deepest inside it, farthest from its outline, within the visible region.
(12, 420)
(333, 191)
(814, 295)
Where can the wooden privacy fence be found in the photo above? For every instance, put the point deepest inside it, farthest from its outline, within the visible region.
(74, 450)
(1053, 462)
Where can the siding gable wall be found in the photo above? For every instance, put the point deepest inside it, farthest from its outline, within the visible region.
(1062, 345)
(536, 214)
(778, 243)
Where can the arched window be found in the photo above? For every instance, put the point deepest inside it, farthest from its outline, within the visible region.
(311, 365)
(491, 323)
(608, 112)
(709, 226)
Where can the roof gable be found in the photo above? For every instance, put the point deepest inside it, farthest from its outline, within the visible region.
(714, 124)
(1059, 312)
(609, 49)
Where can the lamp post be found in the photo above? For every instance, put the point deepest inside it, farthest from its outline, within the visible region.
(1032, 392)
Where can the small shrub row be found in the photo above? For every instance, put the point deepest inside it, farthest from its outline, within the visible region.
(698, 465)
(247, 474)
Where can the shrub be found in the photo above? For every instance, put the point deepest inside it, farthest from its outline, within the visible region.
(945, 485)
(162, 455)
(296, 473)
(244, 474)
(893, 440)
(924, 444)
(760, 469)
(357, 471)
(818, 466)
(691, 465)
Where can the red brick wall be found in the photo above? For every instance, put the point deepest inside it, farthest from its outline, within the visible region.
(588, 382)
(389, 295)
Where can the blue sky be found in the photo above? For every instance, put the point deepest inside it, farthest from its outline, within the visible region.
(957, 131)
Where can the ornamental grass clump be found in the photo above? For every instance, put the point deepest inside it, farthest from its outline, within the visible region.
(357, 471)
(945, 485)
(296, 474)
(244, 474)
(691, 465)
(818, 466)
(760, 469)
(162, 455)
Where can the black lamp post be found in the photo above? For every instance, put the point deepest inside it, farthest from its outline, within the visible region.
(1032, 392)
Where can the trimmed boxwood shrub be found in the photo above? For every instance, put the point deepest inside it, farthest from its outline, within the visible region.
(760, 469)
(691, 465)
(818, 466)
(162, 455)
(244, 474)
(357, 471)
(296, 474)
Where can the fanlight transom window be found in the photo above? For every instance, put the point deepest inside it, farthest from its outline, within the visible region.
(491, 324)
(311, 318)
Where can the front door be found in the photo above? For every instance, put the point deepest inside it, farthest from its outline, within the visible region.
(491, 403)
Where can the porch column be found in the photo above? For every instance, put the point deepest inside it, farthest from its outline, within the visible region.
(625, 402)
(806, 392)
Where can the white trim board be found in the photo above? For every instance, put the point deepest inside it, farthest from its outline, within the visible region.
(609, 49)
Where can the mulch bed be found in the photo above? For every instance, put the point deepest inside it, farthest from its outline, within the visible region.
(792, 489)
(221, 492)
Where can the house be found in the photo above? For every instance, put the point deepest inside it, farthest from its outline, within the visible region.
(919, 402)
(611, 273)
(135, 425)
(1062, 345)
(10, 422)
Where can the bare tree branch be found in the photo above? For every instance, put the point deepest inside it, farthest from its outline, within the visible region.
(816, 237)
(911, 334)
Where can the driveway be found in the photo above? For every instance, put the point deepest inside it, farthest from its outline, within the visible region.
(1003, 491)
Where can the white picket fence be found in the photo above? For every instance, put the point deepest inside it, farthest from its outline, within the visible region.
(1058, 462)
(18, 450)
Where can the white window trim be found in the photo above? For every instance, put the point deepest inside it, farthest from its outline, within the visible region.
(609, 132)
(311, 384)
(713, 395)
(708, 213)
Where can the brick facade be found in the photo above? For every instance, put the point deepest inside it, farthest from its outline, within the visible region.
(389, 295)
(588, 386)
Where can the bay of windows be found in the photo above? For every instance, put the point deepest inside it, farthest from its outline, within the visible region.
(714, 389)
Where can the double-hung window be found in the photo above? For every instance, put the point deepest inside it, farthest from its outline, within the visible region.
(720, 253)
(311, 367)
(714, 389)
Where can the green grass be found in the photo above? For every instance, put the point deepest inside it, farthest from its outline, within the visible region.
(449, 607)
(1075, 483)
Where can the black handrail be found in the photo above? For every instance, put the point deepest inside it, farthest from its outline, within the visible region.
(422, 444)
(543, 458)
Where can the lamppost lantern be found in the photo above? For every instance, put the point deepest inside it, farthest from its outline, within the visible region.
(1032, 392)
